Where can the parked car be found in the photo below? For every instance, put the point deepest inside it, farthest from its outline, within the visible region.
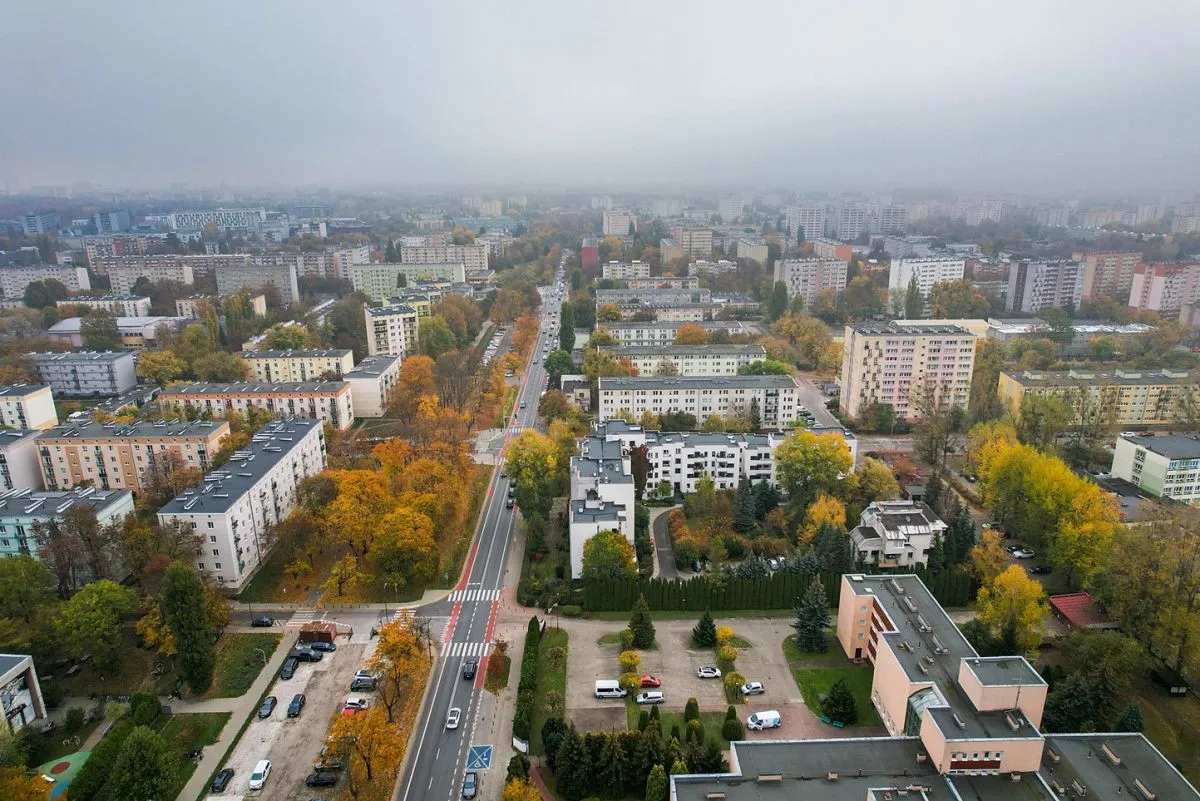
(289, 667)
(307, 654)
(1013, 547)
(452, 717)
(509, 503)
(328, 760)
(1024, 553)
(650, 681)
(268, 706)
(321, 779)
(1040, 570)
(262, 622)
(708, 672)
(259, 777)
(221, 780)
(470, 785)
(360, 684)
(358, 701)
(326, 647)
(650, 697)
(753, 688)
(296, 705)
(469, 668)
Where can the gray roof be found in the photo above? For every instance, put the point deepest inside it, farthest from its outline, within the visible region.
(10, 438)
(136, 430)
(395, 308)
(286, 387)
(85, 298)
(707, 325)
(11, 662)
(21, 390)
(225, 486)
(699, 382)
(596, 511)
(372, 366)
(1172, 446)
(1071, 378)
(84, 356)
(908, 330)
(685, 350)
(314, 353)
(1083, 758)
(25, 502)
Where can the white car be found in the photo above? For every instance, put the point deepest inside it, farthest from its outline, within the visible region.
(1023, 553)
(753, 688)
(358, 702)
(452, 717)
(708, 672)
(259, 777)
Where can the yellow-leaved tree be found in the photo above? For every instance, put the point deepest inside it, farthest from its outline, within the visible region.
(1014, 602)
(824, 511)
(988, 556)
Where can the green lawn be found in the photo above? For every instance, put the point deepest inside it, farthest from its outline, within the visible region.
(1173, 725)
(712, 722)
(239, 663)
(815, 682)
(185, 732)
(797, 658)
(549, 679)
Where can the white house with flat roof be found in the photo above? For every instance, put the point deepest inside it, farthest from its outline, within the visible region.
(1163, 466)
(373, 383)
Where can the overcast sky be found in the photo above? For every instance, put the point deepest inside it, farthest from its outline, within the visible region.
(1045, 96)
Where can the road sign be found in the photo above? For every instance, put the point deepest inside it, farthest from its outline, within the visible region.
(479, 757)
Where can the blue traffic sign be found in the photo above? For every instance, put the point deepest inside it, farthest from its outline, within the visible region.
(479, 757)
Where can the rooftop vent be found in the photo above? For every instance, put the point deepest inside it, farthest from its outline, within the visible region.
(922, 757)
(714, 796)
(912, 606)
(1110, 754)
(1013, 721)
(1058, 788)
(831, 776)
(1144, 790)
(959, 721)
(1053, 755)
(1079, 787)
(770, 778)
(922, 625)
(896, 587)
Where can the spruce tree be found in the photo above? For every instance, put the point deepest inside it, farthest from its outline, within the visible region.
(704, 634)
(838, 704)
(1131, 719)
(833, 550)
(612, 768)
(573, 767)
(812, 619)
(643, 720)
(937, 554)
(184, 606)
(640, 624)
(654, 714)
(766, 498)
(743, 507)
(657, 784)
(933, 493)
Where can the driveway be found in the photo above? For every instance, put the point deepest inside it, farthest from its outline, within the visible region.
(664, 553)
(810, 396)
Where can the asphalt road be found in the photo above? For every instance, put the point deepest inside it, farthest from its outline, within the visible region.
(438, 758)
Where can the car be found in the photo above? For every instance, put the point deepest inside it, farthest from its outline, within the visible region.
(1039, 570)
(258, 777)
(469, 668)
(366, 674)
(359, 684)
(221, 781)
(307, 655)
(358, 701)
(1013, 547)
(522, 404)
(753, 688)
(650, 681)
(508, 504)
(262, 622)
(453, 715)
(297, 704)
(321, 779)
(326, 647)
(470, 785)
(650, 697)
(289, 667)
(764, 720)
(512, 490)
(1024, 553)
(708, 672)
(268, 706)
(503, 473)
(328, 760)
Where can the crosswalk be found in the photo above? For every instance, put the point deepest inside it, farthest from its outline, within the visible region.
(461, 649)
(302, 616)
(474, 595)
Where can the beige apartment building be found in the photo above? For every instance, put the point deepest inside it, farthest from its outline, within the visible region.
(623, 271)
(299, 365)
(391, 330)
(381, 281)
(1108, 274)
(116, 305)
(771, 397)
(329, 401)
(194, 305)
(1139, 397)
(808, 278)
(696, 242)
(117, 456)
(373, 383)
(687, 360)
(124, 271)
(473, 257)
(26, 406)
(891, 364)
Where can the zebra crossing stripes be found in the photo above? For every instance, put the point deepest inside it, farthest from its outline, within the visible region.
(474, 595)
(302, 616)
(463, 649)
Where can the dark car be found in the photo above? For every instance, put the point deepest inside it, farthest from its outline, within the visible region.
(469, 668)
(289, 667)
(307, 655)
(262, 622)
(1040, 570)
(512, 490)
(470, 785)
(296, 705)
(321, 779)
(221, 780)
(326, 647)
(362, 683)
(267, 707)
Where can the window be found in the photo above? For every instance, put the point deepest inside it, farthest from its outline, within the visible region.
(216, 552)
(210, 524)
(212, 539)
(217, 565)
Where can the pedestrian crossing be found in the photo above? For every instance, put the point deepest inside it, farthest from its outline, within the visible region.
(464, 649)
(474, 595)
(302, 616)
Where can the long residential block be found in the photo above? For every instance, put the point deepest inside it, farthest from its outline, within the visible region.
(232, 279)
(1132, 397)
(27, 406)
(237, 505)
(1165, 467)
(473, 257)
(771, 397)
(381, 281)
(116, 305)
(623, 271)
(299, 365)
(19, 462)
(687, 360)
(14, 278)
(664, 333)
(1164, 288)
(328, 401)
(1108, 274)
(124, 271)
(87, 374)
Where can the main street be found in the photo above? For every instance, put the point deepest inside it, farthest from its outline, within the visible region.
(437, 760)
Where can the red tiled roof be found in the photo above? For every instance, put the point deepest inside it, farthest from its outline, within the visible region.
(1078, 610)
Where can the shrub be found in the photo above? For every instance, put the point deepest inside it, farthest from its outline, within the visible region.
(692, 710)
(629, 661)
(727, 653)
(839, 704)
(704, 634)
(643, 720)
(724, 635)
(144, 708)
(676, 734)
(570, 610)
(95, 772)
(631, 682)
(518, 767)
(733, 682)
(731, 713)
(695, 732)
(626, 639)
(732, 729)
(75, 718)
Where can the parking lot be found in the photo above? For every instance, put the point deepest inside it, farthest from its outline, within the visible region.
(293, 744)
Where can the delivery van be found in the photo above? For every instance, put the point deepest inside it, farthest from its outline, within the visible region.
(764, 720)
(609, 688)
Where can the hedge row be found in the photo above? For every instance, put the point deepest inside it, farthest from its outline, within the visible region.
(527, 685)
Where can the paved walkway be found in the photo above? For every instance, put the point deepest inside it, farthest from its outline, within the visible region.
(239, 708)
(664, 554)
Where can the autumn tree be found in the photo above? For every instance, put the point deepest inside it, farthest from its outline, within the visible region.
(691, 334)
(989, 556)
(160, 367)
(414, 382)
(957, 300)
(401, 662)
(90, 622)
(345, 577)
(369, 743)
(824, 511)
(166, 475)
(404, 549)
(875, 482)
(1013, 600)
(285, 337)
(1042, 419)
(985, 378)
(532, 465)
(554, 405)
(608, 313)
(517, 789)
(608, 556)
(810, 464)
(15, 785)
(351, 518)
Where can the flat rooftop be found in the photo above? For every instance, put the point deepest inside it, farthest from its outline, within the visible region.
(889, 329)
(12, 437)
(372, 366)
(1071, 378)
(1172, 446)
(699, 382)
(21, 390)
(1083, 759)
(23, 502)
(283, 387)
(634, 351)
(395, 308)
(707, 325)
(83, 356)
(300, 353)
(136, 430)
(11, 662)
(585, 511)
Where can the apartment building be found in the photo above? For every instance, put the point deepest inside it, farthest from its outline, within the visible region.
(890, 220)
(381, 281)
(249, 219)
(15, 277)
(711, 267)
(891, 364)
(372, 384)
(929, 271)
(36, 223)
(831, 249)
(668, 252)
(328, 401)
(618, 223)
(664, 333)
(808, 221)
(751, 248)
(1134, 397)
(1037, 285)
(233, 279)
(195, 306)
(729, 206)
(578, 389)
(87, 374)
(623, 271)
(271, 366)
(23, 509)
(772, 398)
(1164, 288)
(27, 406)
(687, 360)
(116, 305)
(238, 504)
(1107, 274)
(392, 330)
(309, 265)
(23, 702)
(894, 534)
(20, 466)
(472, 257)
(665, 282)
(695, 242)
(345, 258)
(1123, 335)
(124, 271)
(652, 296)
(850, 222)
(123, 455)
(1163, 466)
(136, 333)
(808, 278)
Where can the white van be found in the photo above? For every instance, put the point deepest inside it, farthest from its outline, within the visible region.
(650, 697)
(764, 720)
(609, 688)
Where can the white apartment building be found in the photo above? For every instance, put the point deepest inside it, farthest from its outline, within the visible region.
(716, 267)
(809, 219)
(578, 389)
(664, 333)
(116, 305)
(753, 249)
(19, 463)
(649, 297)
(896, 534)
(1165, 288)
(372, 384)
(345, 258)
(891, 364)
(808, 278)
(124, 271)
(892, 220)
(27, 406)
(771, 397)
(602, 495)
(195, 306)
(237, 505)
(87, 374)
(623, 271)
(288, 366)
(618, 223)
(729, 206)
(224, 219)
(664, 282)
(22, 509)
(1166, 466)
(391, 330)
(1108, 274)
(851, 222)
(310, 264)
(1037, 285)
(14, 278)
(831, 249)
(231, 280)
(472, 257)
(687, 360)
(696, 242)
(328, 401)
(929, 272)
(381, 281)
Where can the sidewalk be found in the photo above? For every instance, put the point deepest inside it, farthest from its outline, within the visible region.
(428, 597)
(240, 708)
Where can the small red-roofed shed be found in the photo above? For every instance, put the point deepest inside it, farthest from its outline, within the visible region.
(1079, 611)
